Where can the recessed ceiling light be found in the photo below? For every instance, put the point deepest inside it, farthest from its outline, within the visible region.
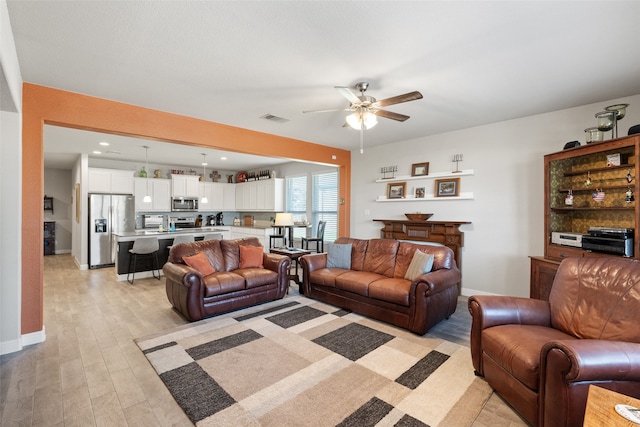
(223, 158)
(97, 152)
(104, 143)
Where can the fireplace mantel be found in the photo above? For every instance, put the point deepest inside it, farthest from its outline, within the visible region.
(443, 232)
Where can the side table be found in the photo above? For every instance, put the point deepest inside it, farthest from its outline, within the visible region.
(600, 410)
(294, 254)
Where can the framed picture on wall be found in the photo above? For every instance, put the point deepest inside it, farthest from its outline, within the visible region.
(419, 193)
(420, 169)
(396, 190)
(447, 187)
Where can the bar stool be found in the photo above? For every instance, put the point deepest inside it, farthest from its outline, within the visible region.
(181, 238)
(279, 235)
(143, 246)
(319, 239)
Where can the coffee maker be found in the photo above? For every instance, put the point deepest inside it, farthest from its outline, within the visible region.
(219, 219)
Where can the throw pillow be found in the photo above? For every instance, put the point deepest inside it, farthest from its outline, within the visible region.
(339, 256)
(200, 262)
(420, 264)
(251, 256)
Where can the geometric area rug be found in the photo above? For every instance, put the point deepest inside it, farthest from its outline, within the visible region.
(298, 362)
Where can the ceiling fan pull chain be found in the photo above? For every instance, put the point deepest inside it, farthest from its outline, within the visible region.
(361, 139)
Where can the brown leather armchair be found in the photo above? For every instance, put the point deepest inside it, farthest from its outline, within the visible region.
(541, 356)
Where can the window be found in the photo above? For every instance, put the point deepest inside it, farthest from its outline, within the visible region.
(325, 203)
(297, 201)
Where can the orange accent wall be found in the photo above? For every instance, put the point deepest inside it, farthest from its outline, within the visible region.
(42, 105)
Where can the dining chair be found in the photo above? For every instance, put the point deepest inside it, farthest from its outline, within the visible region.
(319, 239)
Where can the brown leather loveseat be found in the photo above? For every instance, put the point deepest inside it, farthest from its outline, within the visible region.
(375, 284)
(230, 287)
(542, 356)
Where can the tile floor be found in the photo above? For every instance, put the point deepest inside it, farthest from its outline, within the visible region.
(89, 372)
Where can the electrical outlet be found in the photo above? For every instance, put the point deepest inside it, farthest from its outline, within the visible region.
(367, 212)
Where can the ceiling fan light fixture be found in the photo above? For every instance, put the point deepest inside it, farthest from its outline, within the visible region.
(357, 119)
(204, 177)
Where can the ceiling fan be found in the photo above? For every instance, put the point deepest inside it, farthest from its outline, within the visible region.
(365, 109)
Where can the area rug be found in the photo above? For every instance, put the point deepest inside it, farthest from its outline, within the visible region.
(297, 362)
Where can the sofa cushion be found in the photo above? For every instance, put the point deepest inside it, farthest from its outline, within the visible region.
(420, 264)
(339, 256)
(391, 290)
(358, 249)
(516, 348)
(222, 282)
(357, 281)
(256, 277)
(251, 256)
(199, 262)
(326, 276)
(381, 256)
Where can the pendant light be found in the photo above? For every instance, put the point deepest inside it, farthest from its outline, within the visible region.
(204, 177)
(147, 197)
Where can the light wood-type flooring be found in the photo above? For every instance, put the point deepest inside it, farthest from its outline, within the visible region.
(89, 372)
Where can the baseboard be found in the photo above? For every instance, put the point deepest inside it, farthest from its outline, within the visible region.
(13, 346)
(468, 292)
(63, 251)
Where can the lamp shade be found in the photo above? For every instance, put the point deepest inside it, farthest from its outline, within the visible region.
(284, 219)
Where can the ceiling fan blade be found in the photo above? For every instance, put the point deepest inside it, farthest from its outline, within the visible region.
(327, 111)
(411, 96)
(390, 115)
(351, 97)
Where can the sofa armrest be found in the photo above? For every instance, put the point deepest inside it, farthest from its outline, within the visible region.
(567, 368)
(438, 280)
(495, 310)
(185, 289)
(274, 262)
(492, 310)
(313, 262)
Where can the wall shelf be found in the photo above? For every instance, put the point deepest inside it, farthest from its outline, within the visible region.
(428, 198)
(434, 175)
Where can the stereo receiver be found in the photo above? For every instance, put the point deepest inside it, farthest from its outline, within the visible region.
(566, 239)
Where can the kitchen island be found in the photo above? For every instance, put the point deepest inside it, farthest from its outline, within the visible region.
(124, 242)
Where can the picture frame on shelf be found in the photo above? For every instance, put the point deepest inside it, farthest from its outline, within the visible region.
(396, 190)
(420, 169)
(419, 193)
(447, 187)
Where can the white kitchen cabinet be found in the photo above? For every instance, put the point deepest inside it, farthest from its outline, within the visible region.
(114, 181)
(229, 197)
(185, 185)
(262, 234)
(158, 189)
(214, 191)
(266, 195)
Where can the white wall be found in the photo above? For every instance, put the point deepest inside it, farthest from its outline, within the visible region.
(506, 213)
(57, 184)
(10, 189)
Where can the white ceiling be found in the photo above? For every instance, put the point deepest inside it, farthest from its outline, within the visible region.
(232, 62)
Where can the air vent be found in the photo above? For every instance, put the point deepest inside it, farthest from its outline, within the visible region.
(273, 118)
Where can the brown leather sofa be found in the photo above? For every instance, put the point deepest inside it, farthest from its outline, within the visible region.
(375, 285)
(542, 356)
(230, 287)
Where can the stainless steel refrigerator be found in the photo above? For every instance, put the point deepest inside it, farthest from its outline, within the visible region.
(108, 214)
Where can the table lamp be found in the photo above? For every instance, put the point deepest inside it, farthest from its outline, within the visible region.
(285, 219)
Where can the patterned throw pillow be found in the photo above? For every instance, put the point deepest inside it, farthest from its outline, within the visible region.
(200, 262)
(339, 256)
(251, 256)
(420, 264)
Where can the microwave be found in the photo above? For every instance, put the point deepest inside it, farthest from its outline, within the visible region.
(184, 204)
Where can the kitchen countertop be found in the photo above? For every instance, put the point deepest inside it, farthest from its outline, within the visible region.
(127, 236)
